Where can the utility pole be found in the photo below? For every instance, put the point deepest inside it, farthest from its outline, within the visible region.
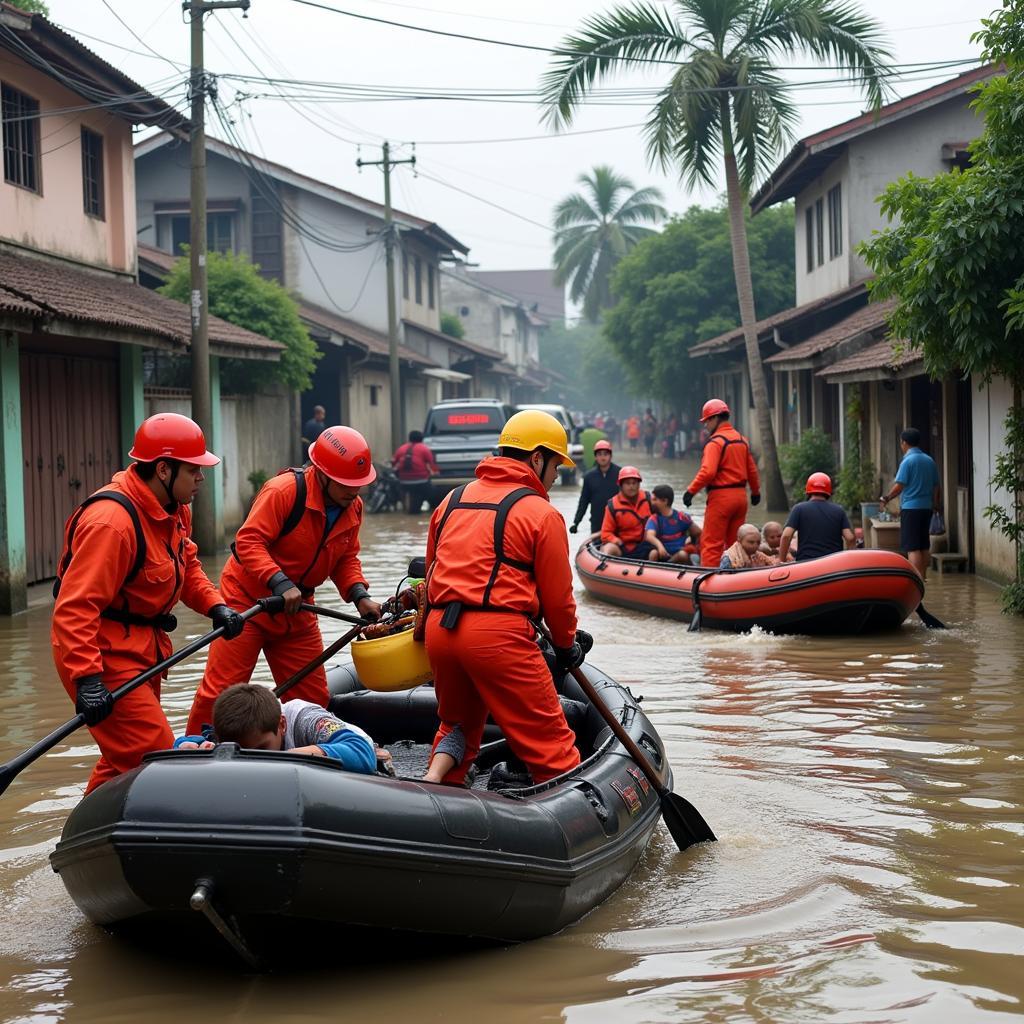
(389, 251)
(205, 528)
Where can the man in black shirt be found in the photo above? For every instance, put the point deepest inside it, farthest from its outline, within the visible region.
(823, 528)
(314, 427)
(600, 485)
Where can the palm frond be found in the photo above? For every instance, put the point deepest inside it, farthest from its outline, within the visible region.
(617, 41)
(714, 19)
(575, 209)
(644, 205)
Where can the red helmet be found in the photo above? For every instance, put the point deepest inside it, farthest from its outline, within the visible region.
(167, 435)
(602, 446)
(629, 473)
(819, 483)
(713, 407)
(343, 455)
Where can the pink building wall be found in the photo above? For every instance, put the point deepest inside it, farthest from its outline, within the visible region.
(54, 220)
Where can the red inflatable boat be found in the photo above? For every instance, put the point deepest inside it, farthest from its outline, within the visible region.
(859, 591)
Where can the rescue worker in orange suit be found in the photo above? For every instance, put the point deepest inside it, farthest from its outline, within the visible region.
(303, 529)
(726, 468)
(623, 530)
(497, 557)
(117, 583)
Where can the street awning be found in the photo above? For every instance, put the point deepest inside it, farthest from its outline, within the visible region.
(451, 376)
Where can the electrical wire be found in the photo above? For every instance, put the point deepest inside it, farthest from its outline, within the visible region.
(139, 39)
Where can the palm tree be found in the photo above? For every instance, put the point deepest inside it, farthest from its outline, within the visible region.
(594, 230)
(725, 98)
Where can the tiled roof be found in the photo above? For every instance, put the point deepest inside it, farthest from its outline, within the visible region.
(530, 287)
(372, 340)
(470, 346)
(62, 292)
(870, 318)
(889, 355)
(157, 257)
(734, 337)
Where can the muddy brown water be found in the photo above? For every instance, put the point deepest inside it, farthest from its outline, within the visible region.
(866, 792)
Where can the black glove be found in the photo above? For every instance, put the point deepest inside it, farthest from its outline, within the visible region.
(687, 499)
(574, 527)
(585, 641)
(222, 615)
(93, 701)
(569, 657)
(755, 499)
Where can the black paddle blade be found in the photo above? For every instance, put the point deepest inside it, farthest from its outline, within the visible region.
(694, 626)
(928, 619)
(7, 774)
(684, 821)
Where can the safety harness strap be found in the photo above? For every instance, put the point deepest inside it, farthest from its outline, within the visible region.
(140, 540)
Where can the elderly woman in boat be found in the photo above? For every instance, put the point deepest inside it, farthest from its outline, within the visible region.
(746, 553)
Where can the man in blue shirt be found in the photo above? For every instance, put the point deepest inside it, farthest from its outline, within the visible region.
(917, 480)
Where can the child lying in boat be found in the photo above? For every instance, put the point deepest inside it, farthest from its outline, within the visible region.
(254, 718)
(746, 553)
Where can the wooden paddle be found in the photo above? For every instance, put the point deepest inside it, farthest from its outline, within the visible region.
(320, 659)
(684, 821)
(931, 621)
(10, 770)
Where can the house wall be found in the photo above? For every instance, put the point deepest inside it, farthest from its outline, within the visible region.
(163, 177)
(372, 421)
(993, 554)
(421, 312)
(870, 163)
(54, 220)
(255, 435)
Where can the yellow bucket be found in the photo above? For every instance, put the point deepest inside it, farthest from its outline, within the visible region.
(395, 662)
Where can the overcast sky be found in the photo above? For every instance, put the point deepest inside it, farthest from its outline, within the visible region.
(285, 39)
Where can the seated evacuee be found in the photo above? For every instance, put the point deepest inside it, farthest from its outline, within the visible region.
(625, 519)
(254, 718)
(746, 552)
(822, 527)
(674, 535)
(771, 534)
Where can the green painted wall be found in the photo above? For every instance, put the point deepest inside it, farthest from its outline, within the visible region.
(13, 595)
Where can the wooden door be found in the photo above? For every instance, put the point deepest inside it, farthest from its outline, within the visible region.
(70, 442)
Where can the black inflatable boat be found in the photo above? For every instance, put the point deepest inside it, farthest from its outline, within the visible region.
(246, 837)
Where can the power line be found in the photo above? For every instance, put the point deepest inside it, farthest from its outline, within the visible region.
(560, 52)
(139, 38)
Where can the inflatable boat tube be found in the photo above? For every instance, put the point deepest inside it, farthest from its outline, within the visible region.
(857, 591)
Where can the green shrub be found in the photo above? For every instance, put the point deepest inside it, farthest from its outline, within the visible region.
(813, 453)
(451, 324)
(257, 478)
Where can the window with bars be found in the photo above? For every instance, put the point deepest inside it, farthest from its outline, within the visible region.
(835, 222)
(819, 229)
(92, 173)
(20, 116)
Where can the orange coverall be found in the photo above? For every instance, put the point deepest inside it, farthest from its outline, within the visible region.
(624, 523)
(726, 467)
(84, 644)
(308, 555)
(489, 661)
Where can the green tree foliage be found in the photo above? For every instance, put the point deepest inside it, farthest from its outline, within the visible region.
(813, 453)
(33, 7)
(592, 371)
(452, 324)
(595, 228)
(677, 288)
(725, 107)
(238, 294)
(954, 259)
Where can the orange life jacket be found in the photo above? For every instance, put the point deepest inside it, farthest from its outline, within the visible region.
(626, 522)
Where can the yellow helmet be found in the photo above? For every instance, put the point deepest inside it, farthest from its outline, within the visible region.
(395, 662)
(532, 429)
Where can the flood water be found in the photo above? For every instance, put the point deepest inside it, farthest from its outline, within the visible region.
(867, 794)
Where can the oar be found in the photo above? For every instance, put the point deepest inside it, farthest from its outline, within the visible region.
(684, 821)
(10, 770)
(928, 619)
(694, 626)
(330, 613)
(320, 659)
